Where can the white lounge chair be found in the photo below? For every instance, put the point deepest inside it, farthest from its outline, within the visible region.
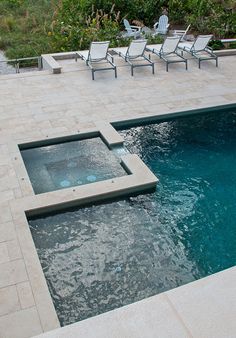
(199, 49)
(168, 51)
(161, 26)
(131, 31)
(181, 33)
(97, 57)
(134, 54)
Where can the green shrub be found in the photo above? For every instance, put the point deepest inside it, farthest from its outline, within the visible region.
(232, 45)
(216, 44)
(4, 43)
(33, 27)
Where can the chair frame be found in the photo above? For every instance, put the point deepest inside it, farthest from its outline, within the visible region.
(194, 53)
(89, 61)
(129, 59)
(181, 33)
(163, 55)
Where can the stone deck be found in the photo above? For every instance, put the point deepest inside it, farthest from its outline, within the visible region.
(40, 105)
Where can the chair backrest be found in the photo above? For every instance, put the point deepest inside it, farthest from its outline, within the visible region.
(127, 26)
(201, 42)
(162, 24)
(185, 32)
(170, 44)
(136, 48)
(98, 50)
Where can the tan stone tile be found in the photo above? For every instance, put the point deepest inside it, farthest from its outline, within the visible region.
(4, 170)
(6, 196)
(12, 272)
(152, 317)
(5, 213)
(25, 295)
(3, 149)
(9, 301)
(17, 193)
(208, 306)
(7, 231)
(230, 97)
(8, 183)
(20, 324)
(4, 257)
(14, 250)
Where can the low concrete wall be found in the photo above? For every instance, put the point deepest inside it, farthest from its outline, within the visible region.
(225, 52)
(50, 63)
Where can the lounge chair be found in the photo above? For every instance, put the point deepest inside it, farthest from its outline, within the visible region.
(199, 49)
(181, 33)
(131, 31)
(134, 54)
(97, 57)
(168, 51)
(161, 26)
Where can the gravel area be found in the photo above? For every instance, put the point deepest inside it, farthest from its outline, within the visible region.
(5, 68)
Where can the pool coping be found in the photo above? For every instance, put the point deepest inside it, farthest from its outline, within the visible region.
(32, 204)
(140, 179)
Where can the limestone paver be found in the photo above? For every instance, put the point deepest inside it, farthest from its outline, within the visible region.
(21, 324)
(25, 295)
(208, 306)
(39, 105)
(142, 319)
(14, 250)
(12, 272)
(7, 231)
(5, 212)
(9, 301)
(4, 256)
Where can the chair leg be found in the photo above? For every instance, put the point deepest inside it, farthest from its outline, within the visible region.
(115, 72)
(153, 71)
(132, 71)
(92, 74)
(186, 65)
(167, 66)
(216, 62)
(199, 63)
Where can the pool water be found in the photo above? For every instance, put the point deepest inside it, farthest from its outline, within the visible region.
(70, 164)
(104, 256)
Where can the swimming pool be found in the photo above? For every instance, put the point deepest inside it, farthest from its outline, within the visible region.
(104, 256)
(69, 164)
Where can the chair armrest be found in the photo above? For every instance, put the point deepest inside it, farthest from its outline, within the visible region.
(147, 49)
(109, 56)
(178, 51)
(209, 48)
(178, 31)
(156, 24)
(136, 28)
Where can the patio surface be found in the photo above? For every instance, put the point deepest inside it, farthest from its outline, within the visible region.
(40, 105)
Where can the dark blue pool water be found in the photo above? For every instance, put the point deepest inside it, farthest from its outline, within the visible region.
(70, 164)
(102, 257)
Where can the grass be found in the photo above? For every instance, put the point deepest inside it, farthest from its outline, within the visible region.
(25, 27)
